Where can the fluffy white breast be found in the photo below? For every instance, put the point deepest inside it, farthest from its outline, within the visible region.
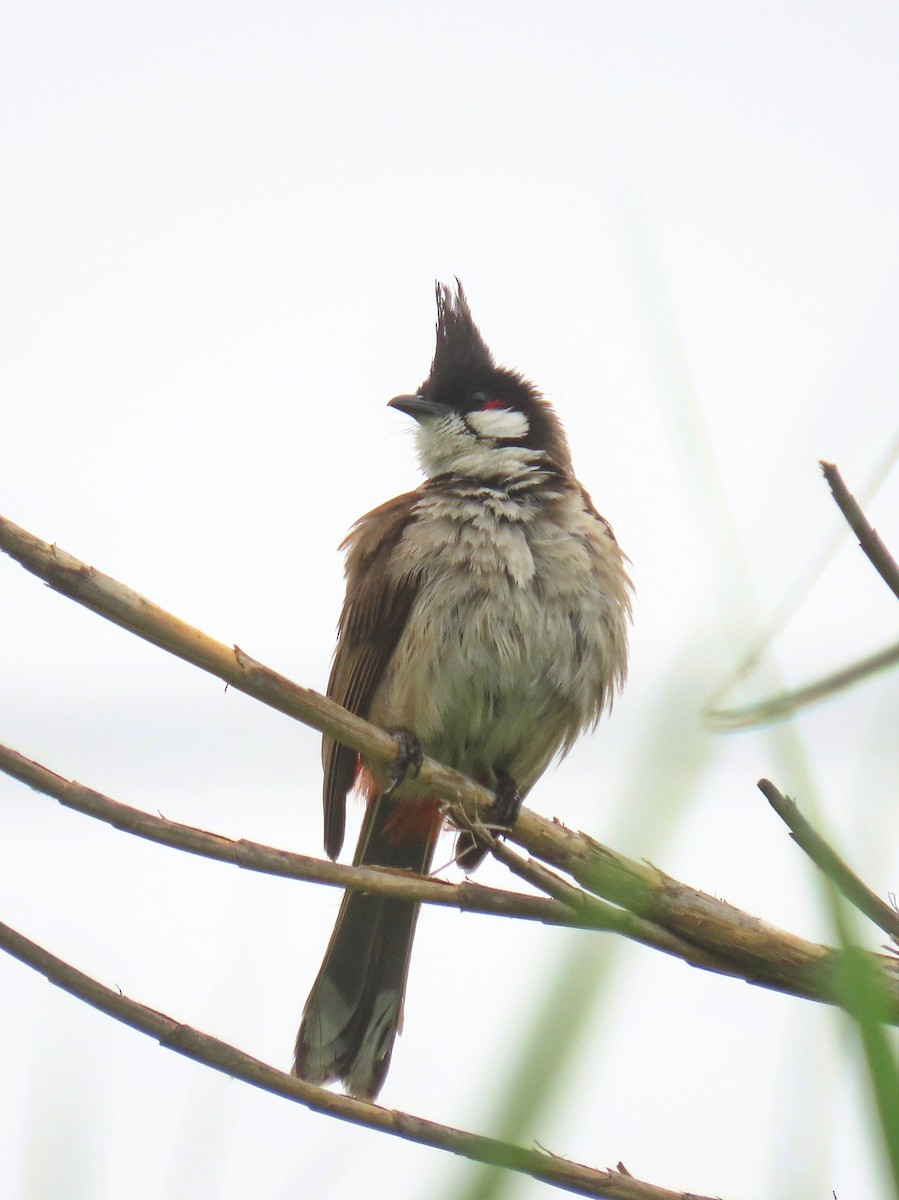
(517, 637)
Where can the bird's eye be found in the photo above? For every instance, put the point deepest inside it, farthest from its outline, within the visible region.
(484, 402)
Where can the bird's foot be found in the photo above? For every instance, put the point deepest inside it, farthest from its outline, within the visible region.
(502, 814)
(409, 757)
(506, 802)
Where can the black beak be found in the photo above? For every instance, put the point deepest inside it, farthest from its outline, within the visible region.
(419, 407)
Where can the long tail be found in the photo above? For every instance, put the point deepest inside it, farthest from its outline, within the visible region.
(355, 1008)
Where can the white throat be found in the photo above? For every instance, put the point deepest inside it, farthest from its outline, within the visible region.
(448, 446)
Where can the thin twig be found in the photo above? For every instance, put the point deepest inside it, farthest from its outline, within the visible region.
(827, 859)
(868, 537)
(766, 955)
(785, 704)
(573, 1177)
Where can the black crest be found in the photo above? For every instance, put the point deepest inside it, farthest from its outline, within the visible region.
(462, 361)
(461, 351)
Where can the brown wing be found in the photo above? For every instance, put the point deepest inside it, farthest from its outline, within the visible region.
(377, 603)
(591, 509)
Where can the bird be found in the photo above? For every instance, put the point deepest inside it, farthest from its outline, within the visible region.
(485, 624)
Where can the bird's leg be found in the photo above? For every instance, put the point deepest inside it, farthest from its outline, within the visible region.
(409, 757)
(502, 814)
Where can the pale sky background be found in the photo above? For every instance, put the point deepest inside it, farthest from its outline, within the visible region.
(220, 230)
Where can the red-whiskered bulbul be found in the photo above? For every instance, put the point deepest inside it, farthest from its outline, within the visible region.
(485, 624)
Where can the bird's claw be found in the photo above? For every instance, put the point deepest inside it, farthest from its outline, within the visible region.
(506, 802)
(409, 757)
(502, 814)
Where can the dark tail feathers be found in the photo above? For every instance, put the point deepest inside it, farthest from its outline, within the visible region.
(354, 1010)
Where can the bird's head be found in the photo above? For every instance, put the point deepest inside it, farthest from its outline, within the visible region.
(474, 418)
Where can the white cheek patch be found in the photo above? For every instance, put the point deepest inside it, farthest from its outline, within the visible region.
(498, 423)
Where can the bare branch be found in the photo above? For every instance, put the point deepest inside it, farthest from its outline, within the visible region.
(868, 537)
(767, 956)
(119, 604)
(254, 856)
(827, 859)
(211, 1052)
(759, 952)
(785, 704)
(568, 907)
(596, 913)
